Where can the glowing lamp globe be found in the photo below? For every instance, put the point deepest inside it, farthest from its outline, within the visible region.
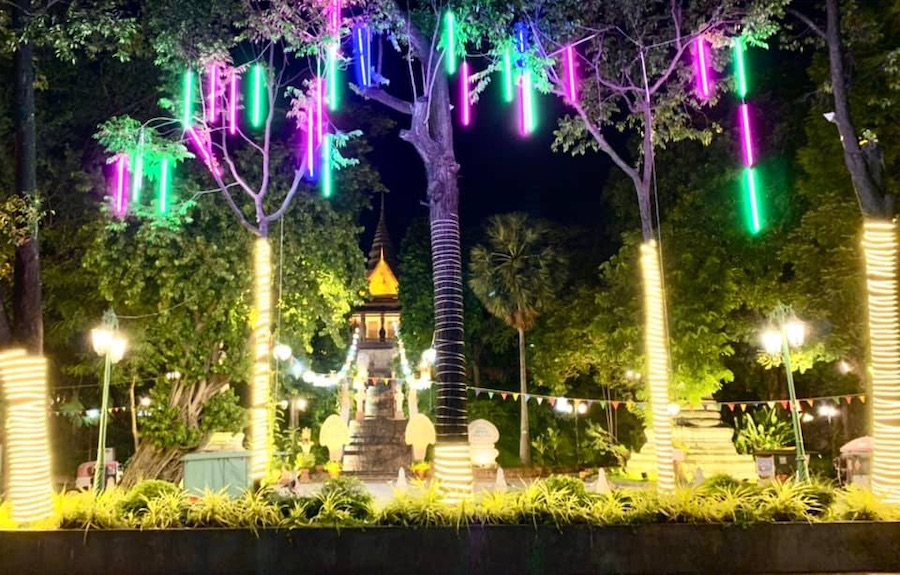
(429, 355)
(282, 352)
(771, 341)
(795, 331)
(117, 349)
(582, 408)
(101, 338)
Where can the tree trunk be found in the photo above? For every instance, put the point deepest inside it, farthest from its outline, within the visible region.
(657, 358)
(524, 435)
(871, 199)
(260, 420)
(151, 462)
(431, 134)
(28, 327)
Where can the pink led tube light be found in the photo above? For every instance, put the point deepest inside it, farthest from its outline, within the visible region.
(746, 136)
(120, 196)
(310, 144)
(320, 109)
(571, 94)
(213, 95)
(464, 96)
(702, 72)
(233, 103)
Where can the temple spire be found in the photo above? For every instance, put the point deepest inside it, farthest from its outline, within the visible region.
(381, 243)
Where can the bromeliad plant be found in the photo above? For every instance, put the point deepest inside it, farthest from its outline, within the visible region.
(764, 430)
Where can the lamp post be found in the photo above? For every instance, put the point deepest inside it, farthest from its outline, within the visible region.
(789, 332)
(107, 342)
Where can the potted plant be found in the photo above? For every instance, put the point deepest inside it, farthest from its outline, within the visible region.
(765, 435)
(420, 469)
(333, 468)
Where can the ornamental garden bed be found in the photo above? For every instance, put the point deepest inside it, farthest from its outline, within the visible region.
(549, 526)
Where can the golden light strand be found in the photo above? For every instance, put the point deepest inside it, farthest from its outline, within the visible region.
(24, 384)
(453, 469)
(657, 359)
(880, 250)
(262, 329)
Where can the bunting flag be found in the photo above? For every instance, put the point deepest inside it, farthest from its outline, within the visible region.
(631, 404)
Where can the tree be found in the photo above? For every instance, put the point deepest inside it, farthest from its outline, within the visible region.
(870, 31)
(513, 277)
(254, 161)
(634, 78)
(184, 295)
(68, 29)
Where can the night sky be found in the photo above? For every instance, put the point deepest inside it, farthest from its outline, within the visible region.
(500, 171)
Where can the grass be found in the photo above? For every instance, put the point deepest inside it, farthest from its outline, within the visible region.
(555, 501)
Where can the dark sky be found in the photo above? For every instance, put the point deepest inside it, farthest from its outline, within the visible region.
(500, 171)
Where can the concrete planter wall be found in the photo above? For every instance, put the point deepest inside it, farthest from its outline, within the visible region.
(492, 550)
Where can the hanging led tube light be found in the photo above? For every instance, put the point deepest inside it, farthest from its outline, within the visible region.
(570, 78)
(233, 103)
(310, 144)
(750, 178)
(450, 42)
(120, 194)
(320, 108)
(257, 95)
(508, 84)
(187, 104)
(331, 67)
(327, 177)
(204, 149)
(526, 104)
(212, 96)
(362, 48)
(137, 180)
(702, 72)
(465, 98)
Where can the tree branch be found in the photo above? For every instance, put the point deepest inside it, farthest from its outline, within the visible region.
(295, 185)
(808, 21)
(392, 102)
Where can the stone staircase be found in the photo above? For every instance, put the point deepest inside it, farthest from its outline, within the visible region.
(707, 445)
(377, 445)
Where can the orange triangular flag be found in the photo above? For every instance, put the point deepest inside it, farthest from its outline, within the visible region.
(784, 403)
(848, 399)
(615, 404)
(552, 401)
(730, 406)
(809, 402)
(503, 395)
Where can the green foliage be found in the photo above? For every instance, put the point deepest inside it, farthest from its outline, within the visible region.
(341, 500)
(858, 504)
(763, 430)
(140, 496)
(424, 508)
(547, 447)
(604, 450)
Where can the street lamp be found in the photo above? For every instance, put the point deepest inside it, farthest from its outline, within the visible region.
(788, 332)
(107, 342)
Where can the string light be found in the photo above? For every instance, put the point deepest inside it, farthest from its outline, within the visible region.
(164, 185)
(880, 249)
(464, 96)
(453, 471)
(657, 364)
(259, 392)
(187, 117)
(450, 42)
(702, 73)
(24, 384)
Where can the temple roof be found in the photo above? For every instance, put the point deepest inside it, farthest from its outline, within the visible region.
(382, 280)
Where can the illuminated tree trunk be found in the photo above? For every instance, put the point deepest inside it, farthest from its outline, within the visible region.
(657, 358)
(880, 249)
(261, 376)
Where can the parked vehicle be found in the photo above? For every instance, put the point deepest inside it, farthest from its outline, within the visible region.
(84, 477)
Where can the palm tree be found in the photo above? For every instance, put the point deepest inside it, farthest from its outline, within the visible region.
(513, 277)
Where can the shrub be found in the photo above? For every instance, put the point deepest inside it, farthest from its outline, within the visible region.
(857, 504)
(141, 494)
(762, 431)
